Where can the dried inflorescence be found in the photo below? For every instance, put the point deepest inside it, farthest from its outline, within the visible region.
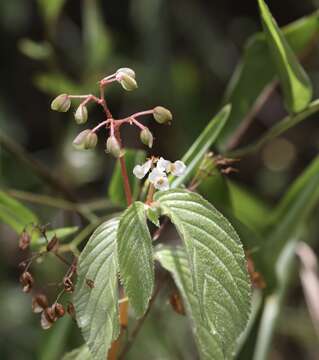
(40, 303)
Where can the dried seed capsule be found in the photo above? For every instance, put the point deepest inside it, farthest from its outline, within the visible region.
(48, 318)
(68, 284)
(162, 115)
(53, 244)
(24, 240)
(126, 71)
(85, 140)
(177, 303)
(113, 146)
(61, 103)
(27, 281)
(39, 303)
(70, 309)
(90, 283)
(58, 310)
(81, 114)
(128, 83)
(146, 137)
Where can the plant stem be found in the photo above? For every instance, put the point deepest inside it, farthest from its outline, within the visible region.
(150, 194)
(126, 183)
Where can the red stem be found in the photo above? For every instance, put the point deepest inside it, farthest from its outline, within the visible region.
(127, 187)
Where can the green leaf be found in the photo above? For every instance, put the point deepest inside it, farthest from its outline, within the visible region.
(135, 254)
(217, 263)
(256, 70)
(116, 190)
(194, 155)
(53, 342)
(56, 83)
(96, 308)
(176, 262)
(50, 9)
(292, 211)
(247, 207)
(96, 38)
(278, 129)
(35, 50)
(61, 234)
(14, 214)
(296, 85)
(81, 353)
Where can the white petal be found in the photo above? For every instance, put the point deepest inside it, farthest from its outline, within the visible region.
(138, 171)
(162, 183)
(163, 165)
(178, 168)
(141, 170)
(147, 166)
(155, 174)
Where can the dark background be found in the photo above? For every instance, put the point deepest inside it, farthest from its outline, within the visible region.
(184, 53)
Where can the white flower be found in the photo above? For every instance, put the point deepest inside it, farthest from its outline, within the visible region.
(163, 165)
(159, 179)
(141, 170)
(177, 168)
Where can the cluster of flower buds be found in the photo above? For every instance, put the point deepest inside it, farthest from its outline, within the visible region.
(87, 139)
(158, 175)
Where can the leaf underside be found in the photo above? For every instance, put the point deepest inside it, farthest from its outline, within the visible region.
(97, 308)
(217, 263)
(176, 262)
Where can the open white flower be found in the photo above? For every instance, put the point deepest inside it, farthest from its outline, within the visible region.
(141, 170)
(177, 168)
(163, 165)
(159, 179)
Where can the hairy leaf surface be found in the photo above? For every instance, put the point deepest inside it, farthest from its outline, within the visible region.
(97, 308)
(217, 263)
(176, 262)
(135, 256)
(81, 353)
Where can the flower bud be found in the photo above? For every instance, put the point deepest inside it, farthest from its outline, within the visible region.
(146, 137)
(39, 303)
(128, 83)
(24, 240)
(126, 71)
(61, 103)
(85, 140)
(81, 114)
(113, 147)
(162, 115)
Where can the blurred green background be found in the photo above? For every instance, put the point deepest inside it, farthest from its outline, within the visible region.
(184, 53)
